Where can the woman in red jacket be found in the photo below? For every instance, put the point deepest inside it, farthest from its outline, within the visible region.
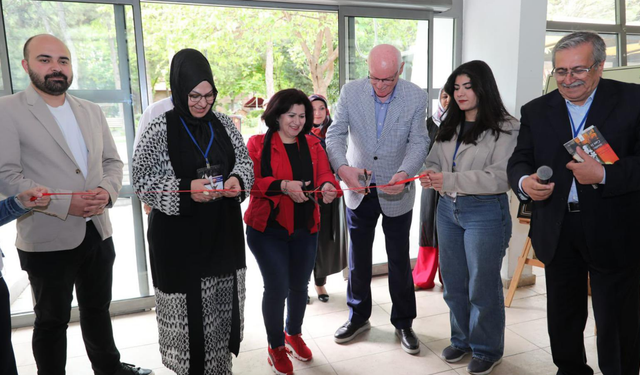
(292, 175)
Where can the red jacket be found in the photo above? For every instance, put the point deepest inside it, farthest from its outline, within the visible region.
(259, 209)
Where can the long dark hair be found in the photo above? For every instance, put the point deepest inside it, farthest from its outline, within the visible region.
(491, 111)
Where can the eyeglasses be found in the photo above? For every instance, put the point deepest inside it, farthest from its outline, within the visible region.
(575, 72)
(195, 97)
(375, 80)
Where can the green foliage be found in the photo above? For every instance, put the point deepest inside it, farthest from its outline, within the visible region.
(633, 12)
(370, 32)
(235, 40)
(86, 28)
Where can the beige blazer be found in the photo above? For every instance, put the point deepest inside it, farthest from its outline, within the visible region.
(481, 169)
(33, 152)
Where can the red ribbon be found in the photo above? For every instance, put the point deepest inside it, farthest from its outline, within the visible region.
(233, 190)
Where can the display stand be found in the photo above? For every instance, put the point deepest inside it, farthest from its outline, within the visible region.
(523, 260)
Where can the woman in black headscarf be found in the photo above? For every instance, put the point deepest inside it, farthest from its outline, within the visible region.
(196, 239)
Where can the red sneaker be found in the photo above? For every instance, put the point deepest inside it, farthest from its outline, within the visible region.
(279, 361)
(297, 347)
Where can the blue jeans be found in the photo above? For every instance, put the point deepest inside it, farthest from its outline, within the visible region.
(285, 262)
(473, 232)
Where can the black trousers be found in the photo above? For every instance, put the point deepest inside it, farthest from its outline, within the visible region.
(362, 227)
(616, 306)
(52, 276)
(7, 359)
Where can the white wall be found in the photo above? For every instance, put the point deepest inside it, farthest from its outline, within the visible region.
(509, 36)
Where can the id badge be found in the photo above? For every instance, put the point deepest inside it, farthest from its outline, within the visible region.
(214, 175)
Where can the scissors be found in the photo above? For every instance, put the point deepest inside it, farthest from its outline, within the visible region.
(311, 194)
(367, 181)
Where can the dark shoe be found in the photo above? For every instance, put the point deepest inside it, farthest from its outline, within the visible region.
(408, 340)
(480, 367)
(323, 297)
(129, 369)
(349, 331)
(308, 300)
(452, 355)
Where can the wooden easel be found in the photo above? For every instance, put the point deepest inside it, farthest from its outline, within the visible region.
(523, 260)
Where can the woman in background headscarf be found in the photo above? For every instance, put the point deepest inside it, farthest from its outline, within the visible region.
(332, 237)
(195, 238)
(426, 267)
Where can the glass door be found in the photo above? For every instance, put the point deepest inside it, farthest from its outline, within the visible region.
(103, 49)
(411, 32)
(5, 85)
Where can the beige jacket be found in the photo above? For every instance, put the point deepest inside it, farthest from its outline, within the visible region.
(33, 151)
(481, 169)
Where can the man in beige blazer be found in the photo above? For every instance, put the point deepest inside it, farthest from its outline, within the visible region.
(52, 139)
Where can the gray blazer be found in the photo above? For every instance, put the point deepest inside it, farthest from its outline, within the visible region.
(33, 151)
(352, 139)
(481, 169)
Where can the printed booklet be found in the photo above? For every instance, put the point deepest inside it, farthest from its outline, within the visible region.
(594, 144)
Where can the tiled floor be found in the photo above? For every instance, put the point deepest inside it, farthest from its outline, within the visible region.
(375, 352)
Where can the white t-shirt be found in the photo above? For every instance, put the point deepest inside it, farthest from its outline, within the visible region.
(152, 111)
(69, 126)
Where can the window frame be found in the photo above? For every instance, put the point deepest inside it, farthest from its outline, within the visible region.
(620, 29)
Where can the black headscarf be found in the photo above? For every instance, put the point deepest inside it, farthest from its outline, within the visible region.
(189, 68)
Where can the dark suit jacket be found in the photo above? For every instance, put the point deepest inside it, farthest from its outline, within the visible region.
(611, 213)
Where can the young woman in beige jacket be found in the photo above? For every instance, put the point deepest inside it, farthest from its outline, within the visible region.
(467, 166)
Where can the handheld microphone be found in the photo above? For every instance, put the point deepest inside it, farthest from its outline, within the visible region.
(544, 174)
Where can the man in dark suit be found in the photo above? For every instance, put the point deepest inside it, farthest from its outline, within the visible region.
(586, 219)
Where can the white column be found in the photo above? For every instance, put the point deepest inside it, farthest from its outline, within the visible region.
(509, 36)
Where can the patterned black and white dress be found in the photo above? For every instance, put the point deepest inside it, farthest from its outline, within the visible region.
(197, 253)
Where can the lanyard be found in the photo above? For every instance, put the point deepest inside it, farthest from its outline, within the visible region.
(584, 119)
(458, 142)
(197, 145)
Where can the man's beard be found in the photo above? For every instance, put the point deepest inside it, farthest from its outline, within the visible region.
(49, 86)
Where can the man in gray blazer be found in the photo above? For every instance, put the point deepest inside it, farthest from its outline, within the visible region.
(63, 143)
(379, 127)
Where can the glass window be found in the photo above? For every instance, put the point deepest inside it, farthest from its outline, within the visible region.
(552, 38)
(443, 33)
(114, 112)
(91, 40)
(300, 50)
(633, 12)
(411, 37)
(593, 11)
(633, 49)
(133, 65)
(124, 269)
(92, 33)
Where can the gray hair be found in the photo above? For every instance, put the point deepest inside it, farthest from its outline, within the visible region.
(580, 37)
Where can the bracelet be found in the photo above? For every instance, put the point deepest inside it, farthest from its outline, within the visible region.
(285, 191)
